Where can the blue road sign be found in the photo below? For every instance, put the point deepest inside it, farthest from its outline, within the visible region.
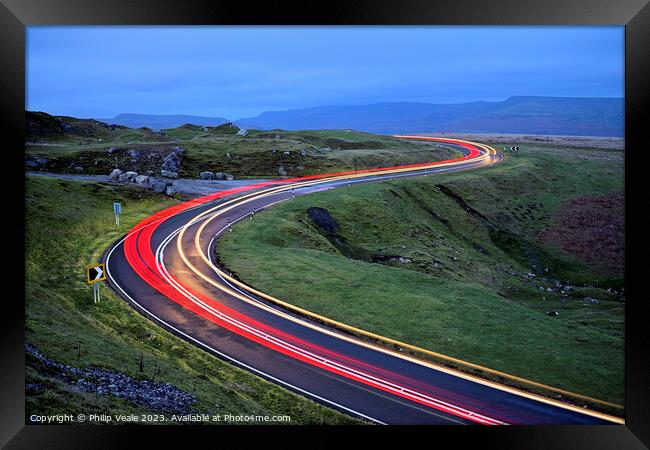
(117, 208)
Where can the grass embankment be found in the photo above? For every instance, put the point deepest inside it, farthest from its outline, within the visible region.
(92, 148)
(471, 238)
(69, 224)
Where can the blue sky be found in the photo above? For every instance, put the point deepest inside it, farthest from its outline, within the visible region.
(237, 72)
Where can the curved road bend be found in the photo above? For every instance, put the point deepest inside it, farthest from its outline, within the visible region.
(163, 268)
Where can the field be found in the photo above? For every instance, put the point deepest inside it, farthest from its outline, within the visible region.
(68, 225)
(462, 264)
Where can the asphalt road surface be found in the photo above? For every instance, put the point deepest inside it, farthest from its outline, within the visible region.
(164, 269)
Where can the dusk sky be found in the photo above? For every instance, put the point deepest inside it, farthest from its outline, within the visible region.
(236, 72)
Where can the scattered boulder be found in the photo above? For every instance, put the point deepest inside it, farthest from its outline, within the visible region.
(171, 163)
(205, 129)
(277, 136)
(78, 169)
(228, 155)
(158, 186)
(171, 190)
(149, 173)
(168, 174)
(286, 153)
(400, 259)
(130, 175)
(122, 177)
(552, 313)
(219, 176)
(591, 301)
(134, 154)
(180, 151)
(229, 177)
(206, 175)
(282, 171)
(115, 174)
(303, 152)
(142, 179)
(242, 132)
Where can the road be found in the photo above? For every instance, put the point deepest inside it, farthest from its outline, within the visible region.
(164, 268)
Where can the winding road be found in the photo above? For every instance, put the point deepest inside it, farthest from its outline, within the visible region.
(163, 267)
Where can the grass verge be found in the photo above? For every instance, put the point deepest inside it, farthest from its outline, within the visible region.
(68, 225)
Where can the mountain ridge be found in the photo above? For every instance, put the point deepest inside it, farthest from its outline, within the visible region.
(587, 116)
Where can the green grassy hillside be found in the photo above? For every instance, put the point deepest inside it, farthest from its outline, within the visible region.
(474, 280)
(68, 225)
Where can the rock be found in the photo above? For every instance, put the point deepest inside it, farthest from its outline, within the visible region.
(303, 153)
(277, 136)
(286, 153)
(282, 171)
(228, 155)
(219, 176)
(323, 219)
(171, 190)
(242, 132)
(168, 174)
(115, 174)
(400, 259)
(205, 129)
(135, 154)
(591, 301)
(206, 175)
(142, 179)
(149, 173)
(130, 175)
(229, 177)
(552, 313)
(180, 151)
(78, 169)
(158, 186)
(122, 177)
(171, 162)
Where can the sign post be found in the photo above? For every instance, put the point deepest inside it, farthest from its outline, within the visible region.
(96, 273)
(117, 209)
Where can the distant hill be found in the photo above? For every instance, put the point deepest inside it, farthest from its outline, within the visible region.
(162, 121)
(516, 115)
(534, 115)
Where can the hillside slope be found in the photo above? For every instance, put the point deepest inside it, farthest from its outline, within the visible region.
(536, 115)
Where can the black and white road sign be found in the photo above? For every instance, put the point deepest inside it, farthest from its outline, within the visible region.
(96, 273)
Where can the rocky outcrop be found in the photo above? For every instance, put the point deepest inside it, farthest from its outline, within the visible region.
(171, 164)
(242, 132)
(323, 219)
(158, 396)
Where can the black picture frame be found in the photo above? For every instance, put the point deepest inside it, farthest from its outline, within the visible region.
(15, 15)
